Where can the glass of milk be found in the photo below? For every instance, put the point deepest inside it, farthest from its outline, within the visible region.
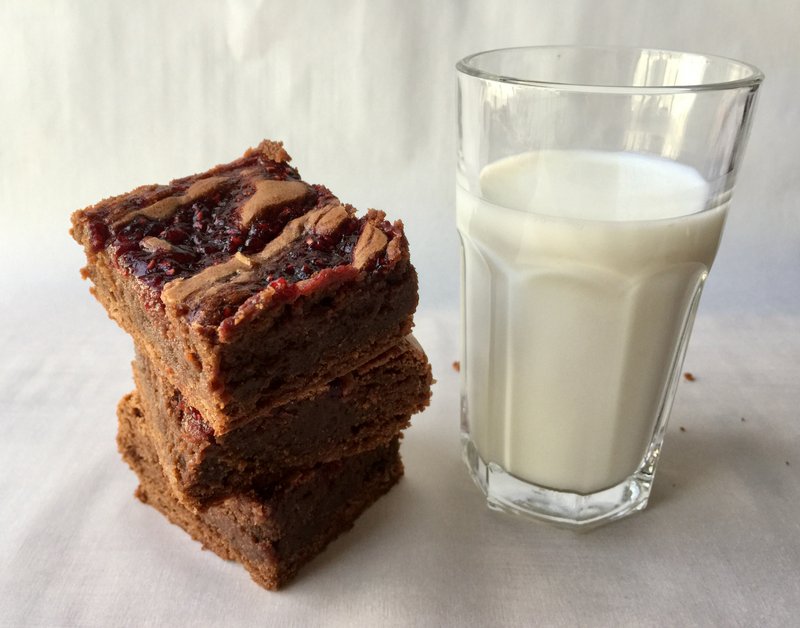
(592, 189)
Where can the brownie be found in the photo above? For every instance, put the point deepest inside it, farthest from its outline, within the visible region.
(246, 285)
(277, 528)
(348, 415)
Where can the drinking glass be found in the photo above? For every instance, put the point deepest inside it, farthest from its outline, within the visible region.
(592, 190)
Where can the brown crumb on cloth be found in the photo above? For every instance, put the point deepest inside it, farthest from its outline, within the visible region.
(688, 377)
(457, 366)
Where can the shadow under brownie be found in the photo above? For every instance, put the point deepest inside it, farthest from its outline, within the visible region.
(246, 285)
(351, 414)
(274, 530)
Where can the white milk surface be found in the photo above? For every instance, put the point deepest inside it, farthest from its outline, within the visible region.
(580, 268)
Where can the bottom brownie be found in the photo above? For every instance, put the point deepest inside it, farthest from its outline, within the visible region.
(275, 529)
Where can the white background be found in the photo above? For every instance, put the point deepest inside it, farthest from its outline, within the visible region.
(98, 97)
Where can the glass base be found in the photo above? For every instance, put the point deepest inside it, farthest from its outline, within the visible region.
(569, 510)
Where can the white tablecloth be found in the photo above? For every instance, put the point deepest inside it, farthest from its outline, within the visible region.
(719, 543)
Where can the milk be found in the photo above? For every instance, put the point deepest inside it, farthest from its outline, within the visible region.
(580, 270)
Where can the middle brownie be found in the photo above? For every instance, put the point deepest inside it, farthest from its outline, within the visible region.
(346, 416)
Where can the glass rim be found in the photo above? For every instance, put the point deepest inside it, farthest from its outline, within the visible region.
(754, 78)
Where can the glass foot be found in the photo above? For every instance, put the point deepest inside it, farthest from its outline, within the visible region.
(569, 510)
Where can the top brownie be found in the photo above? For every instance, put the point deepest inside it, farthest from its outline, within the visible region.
(245, 284)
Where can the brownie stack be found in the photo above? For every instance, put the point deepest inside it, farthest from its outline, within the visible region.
(274, 368)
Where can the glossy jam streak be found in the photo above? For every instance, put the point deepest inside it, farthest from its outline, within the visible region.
(202, 234)
(98, 235)
(194, 427)
(305, 258)
(313, 254)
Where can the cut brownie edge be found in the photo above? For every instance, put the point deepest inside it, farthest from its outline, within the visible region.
(275, 531)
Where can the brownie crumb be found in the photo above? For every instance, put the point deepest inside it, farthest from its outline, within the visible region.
(683, 429)
(688, 377)
(457, 366)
